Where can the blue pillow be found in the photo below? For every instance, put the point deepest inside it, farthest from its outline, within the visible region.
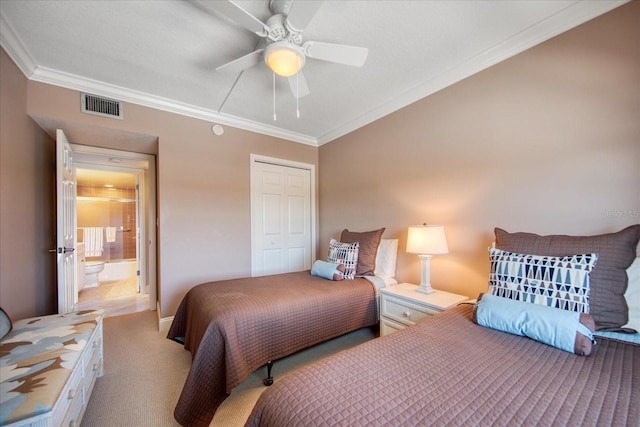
(327, 270)
(567, 330)
(5, 323)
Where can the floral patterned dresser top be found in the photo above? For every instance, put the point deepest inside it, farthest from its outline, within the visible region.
(37, 358)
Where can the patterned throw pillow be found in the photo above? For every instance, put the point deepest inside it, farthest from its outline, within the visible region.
(560, 282)
(346, 254)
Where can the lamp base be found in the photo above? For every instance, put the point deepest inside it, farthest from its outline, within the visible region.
(425, 289)
(425, 275)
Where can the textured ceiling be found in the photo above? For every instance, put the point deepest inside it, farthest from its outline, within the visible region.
(163, 54)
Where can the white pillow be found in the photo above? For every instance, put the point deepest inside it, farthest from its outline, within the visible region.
(632, 295)
(386, 258)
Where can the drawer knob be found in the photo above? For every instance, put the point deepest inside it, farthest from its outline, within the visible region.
(407, 314)
(72, 394)
(72, 423)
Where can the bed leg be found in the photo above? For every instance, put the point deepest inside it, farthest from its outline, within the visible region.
(269, 380)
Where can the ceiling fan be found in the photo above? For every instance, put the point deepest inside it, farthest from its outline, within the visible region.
(285, 52)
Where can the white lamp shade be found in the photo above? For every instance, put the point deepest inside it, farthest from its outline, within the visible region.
(427, 240)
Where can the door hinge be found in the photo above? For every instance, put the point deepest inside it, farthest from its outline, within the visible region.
(137, 272)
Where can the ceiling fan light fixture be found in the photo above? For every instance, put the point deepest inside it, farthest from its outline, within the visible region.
(284, 58)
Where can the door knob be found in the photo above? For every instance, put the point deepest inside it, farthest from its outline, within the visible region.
(62, 250)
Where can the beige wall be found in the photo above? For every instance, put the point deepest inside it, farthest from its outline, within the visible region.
(203, 186)
(547, 141)
(27, 269)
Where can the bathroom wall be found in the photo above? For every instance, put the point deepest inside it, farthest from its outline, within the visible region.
(106, 212)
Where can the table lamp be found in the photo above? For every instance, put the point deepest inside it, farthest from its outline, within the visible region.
(426, 240)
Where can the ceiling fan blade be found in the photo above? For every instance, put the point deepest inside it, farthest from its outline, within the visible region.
(298, 85)
(242, 63)
(240, 16)
(342, 54)
(302, 12)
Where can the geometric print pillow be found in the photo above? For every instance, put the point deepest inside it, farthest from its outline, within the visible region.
(560, 282)
(346, 254)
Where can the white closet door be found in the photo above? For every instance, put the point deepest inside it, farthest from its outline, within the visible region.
(281, 218)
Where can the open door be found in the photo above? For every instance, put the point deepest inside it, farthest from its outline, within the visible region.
(140, 239)
(66, 224)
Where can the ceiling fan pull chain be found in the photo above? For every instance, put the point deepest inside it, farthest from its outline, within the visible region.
(298, 94)
(274, 97)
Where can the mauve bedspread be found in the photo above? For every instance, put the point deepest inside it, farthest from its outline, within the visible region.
(447, 370)
(233, 327)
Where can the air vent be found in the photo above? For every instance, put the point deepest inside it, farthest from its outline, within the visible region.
(99, 106)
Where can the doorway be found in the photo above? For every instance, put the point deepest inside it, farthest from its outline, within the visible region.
(115, 230)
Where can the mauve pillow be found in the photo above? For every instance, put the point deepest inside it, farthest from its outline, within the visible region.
(369, 242)
(616, 252)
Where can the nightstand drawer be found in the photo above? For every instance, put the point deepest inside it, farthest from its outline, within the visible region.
(404, 311)
(401, 306)
(388, 326)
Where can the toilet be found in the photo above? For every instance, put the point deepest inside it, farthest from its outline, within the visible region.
(91, 270)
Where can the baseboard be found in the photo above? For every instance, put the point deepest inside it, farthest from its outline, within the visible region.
(164, 323)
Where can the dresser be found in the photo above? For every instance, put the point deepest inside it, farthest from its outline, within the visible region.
(49, 367)
(402, 306)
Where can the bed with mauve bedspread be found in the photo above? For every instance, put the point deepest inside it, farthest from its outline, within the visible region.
(447, 370)
(235, 326)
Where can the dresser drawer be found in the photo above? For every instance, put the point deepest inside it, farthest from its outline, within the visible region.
(91, 374)
(70, 397)
(93, 366)
(76, 408)
(403, 311)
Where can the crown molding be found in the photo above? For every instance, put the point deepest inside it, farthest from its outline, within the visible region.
(15, 48)
(82, 84)
(568, 18)
(577, 13)
(24, 61)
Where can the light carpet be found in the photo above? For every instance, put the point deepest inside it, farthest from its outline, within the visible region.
(145, 372)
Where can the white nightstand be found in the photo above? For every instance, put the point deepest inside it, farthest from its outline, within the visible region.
(402, 306)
